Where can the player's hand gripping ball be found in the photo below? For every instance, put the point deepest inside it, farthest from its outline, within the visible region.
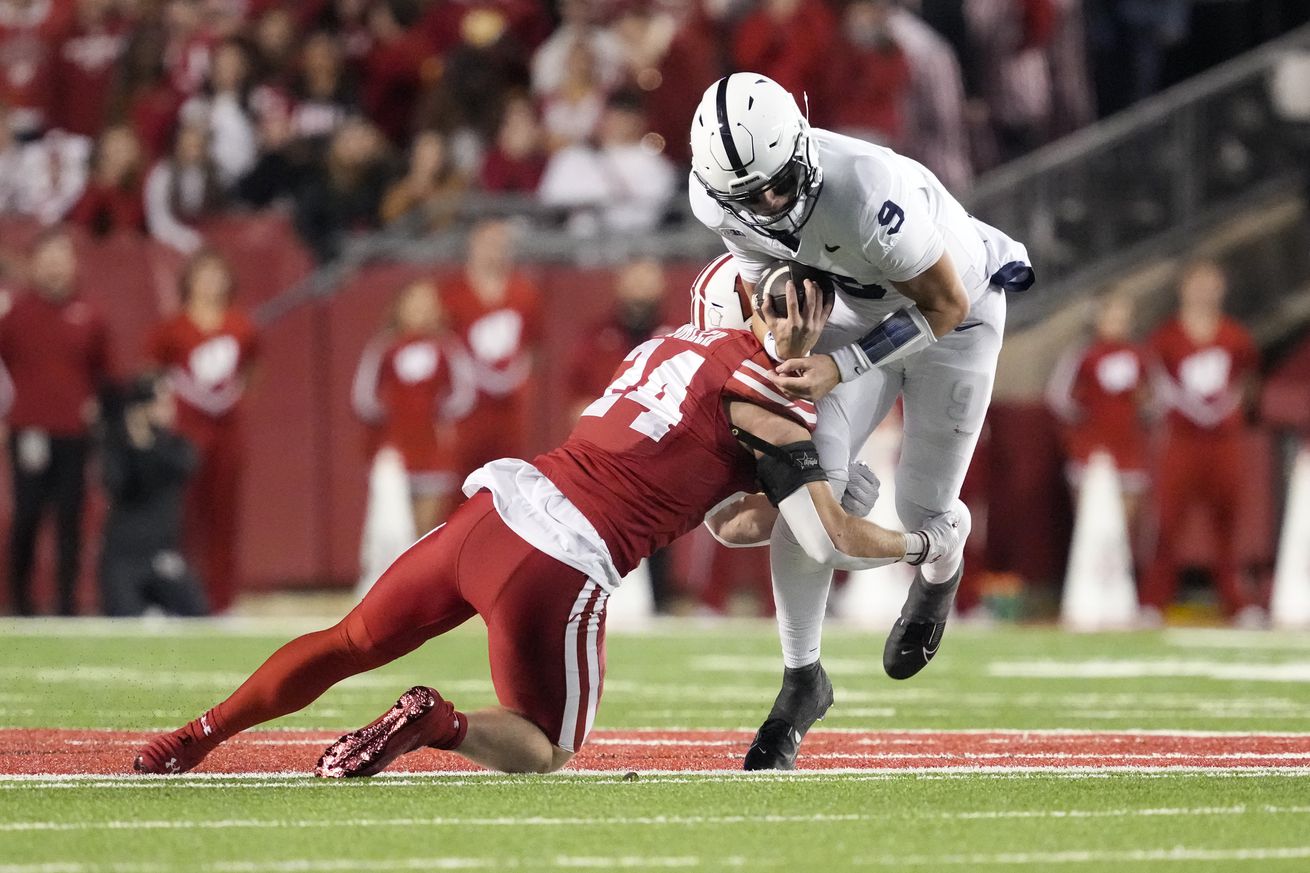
(773, 286)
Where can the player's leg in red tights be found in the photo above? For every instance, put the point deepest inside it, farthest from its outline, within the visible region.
(415, 600)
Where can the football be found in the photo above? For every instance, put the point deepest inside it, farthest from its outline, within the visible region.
(773, 284)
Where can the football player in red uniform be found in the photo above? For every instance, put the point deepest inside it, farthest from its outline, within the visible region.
(1205, 367)
(689, 422)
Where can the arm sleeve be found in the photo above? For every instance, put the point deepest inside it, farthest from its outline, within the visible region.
(900, 234)
(802, 516)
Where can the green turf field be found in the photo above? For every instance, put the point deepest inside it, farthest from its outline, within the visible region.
(155, 676)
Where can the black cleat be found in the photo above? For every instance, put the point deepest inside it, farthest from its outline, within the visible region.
(804, 699)
(917, 634)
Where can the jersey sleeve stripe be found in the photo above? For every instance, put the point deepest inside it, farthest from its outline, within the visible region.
(806, 415)
(751, 365)
(805, 405)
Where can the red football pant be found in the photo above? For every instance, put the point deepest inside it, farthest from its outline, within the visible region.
(211, 516)
(1197, 471)
(545, 628)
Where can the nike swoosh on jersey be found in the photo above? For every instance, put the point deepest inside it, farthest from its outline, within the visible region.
(969, 326)
(830, 249)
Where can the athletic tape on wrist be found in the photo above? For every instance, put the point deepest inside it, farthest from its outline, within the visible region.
(897, 336)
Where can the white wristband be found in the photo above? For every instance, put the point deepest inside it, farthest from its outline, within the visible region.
(916, 547)
(851, 362)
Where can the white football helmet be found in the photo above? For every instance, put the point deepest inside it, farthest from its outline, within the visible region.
(748, 137)
(718, 299)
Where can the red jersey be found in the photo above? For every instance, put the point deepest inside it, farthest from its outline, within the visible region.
(499, 336)
(1201, 384)
(28, 36)
(1095, 391)
(655, 453)
(86, 68)
(103, 209)
(55, 357)
(206, 370)
(404, 385)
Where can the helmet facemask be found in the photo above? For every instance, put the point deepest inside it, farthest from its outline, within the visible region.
(796, 184)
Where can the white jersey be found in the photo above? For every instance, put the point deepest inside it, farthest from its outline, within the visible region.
(879, 218)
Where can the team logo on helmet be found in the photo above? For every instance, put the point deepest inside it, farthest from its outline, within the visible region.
(718, 298)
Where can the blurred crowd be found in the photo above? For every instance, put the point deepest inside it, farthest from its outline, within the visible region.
(151, 114)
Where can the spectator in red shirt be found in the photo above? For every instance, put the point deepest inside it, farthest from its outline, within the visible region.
(496, 312)
(866, 78)
(54, 349)
(1204, 370)
(788, 41)
(29, 34)
(516, 159)
(393, 73)
(86, 65)
(207, 351)
(671, 59)
(190, 36)
(145, 97)
(1097, 391)
(112, 200)
(413, 382)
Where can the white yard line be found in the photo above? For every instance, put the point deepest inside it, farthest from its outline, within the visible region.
(640, 821)
(1202, 638)
(1042, 859)
(748, 731)
(341, 865)
(439, 779)
(1138, 668)
(440, 821)
(1176, 854)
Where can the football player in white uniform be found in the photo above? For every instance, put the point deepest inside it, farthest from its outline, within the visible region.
(919, 313)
